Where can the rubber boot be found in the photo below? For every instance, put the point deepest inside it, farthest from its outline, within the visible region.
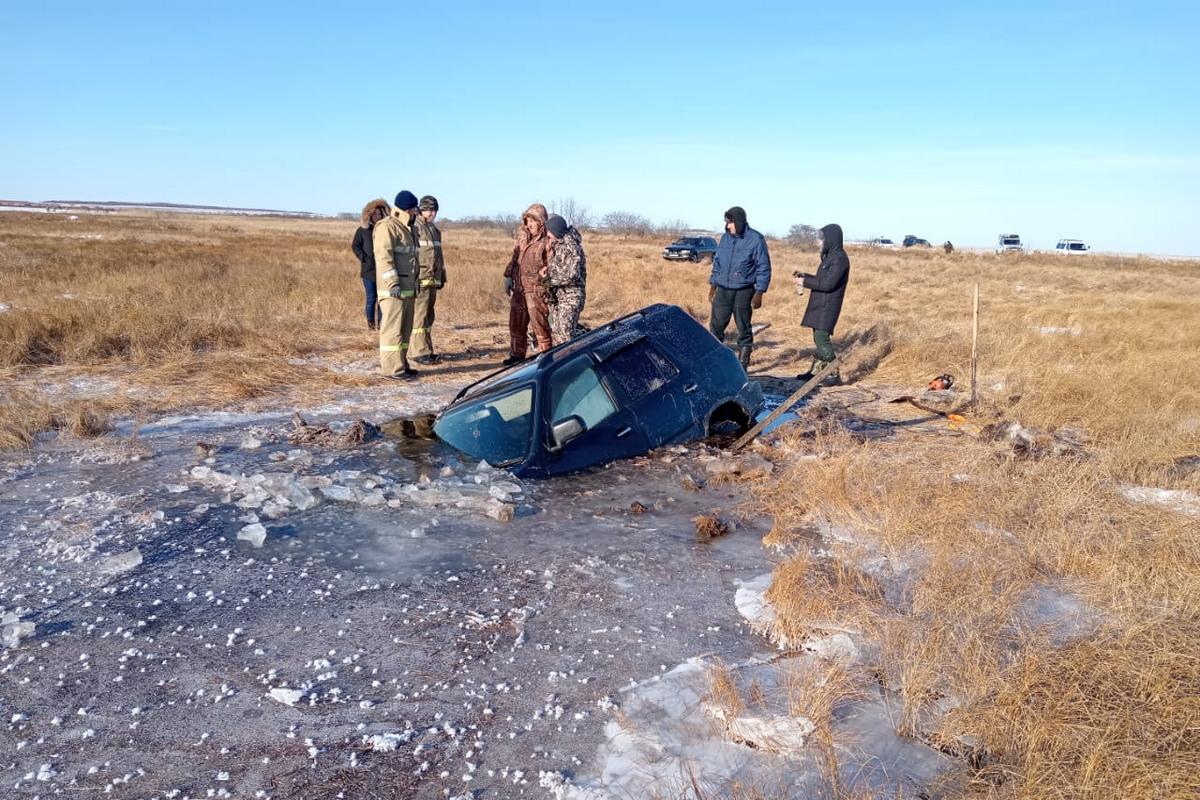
(816, 367)
(744, 357)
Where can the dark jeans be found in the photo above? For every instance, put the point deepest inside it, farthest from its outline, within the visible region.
(371, 309)
(734, 303)
(824, 346)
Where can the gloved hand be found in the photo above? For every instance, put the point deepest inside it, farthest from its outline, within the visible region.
(508, 285)
(756, 301)
(394, 291)
(712, 292)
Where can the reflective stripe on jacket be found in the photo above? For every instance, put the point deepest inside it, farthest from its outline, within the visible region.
(395, 255)
(429, 253)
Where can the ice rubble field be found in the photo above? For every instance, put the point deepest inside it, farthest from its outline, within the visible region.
(248, 618)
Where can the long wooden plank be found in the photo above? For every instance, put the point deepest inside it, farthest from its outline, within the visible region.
(792, 399)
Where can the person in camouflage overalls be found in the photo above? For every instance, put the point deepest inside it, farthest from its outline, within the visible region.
(431, 278)
(566, 276)
(395, 246)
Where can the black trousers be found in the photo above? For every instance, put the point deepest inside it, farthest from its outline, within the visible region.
(734, 303)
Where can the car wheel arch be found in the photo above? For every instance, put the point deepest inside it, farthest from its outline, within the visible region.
(729, 410)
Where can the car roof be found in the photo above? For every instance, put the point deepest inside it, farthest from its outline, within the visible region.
(601, 342)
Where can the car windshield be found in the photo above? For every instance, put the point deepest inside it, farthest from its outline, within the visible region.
(687, 242)
(1012, 241)
(1077, 246)
(496, 429)
(886, 241)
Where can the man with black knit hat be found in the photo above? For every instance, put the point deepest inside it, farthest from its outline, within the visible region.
(396, 270)
(431, 278)
(741, 273)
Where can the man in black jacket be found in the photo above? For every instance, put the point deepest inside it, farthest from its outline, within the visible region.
(828, 288)
(364, 248)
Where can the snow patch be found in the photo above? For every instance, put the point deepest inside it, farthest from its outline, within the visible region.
(1178, 500)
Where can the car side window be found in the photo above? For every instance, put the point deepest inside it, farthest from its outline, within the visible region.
(639, 370)
(576, 390)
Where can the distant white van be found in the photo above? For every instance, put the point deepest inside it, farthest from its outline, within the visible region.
(1071, 247)
(1009, 243)
(882, 241)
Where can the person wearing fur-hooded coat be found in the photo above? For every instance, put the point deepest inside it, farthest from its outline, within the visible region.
(364, 248)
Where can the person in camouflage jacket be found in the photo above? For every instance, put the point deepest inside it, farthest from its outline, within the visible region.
(566, 276)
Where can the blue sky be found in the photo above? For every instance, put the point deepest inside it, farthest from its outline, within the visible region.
(949, 120)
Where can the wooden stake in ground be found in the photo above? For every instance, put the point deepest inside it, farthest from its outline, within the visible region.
(975, 348)
(794, 398)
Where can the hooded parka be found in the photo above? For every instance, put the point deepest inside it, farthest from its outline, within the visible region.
(363, 246)
(828, 285)
(525, 268)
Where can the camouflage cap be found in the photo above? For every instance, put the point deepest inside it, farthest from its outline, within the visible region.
(428, 203)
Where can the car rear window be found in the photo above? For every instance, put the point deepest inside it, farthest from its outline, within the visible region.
(638, 370)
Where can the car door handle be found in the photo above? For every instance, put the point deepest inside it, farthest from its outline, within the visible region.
(691, 387)
(624, 431)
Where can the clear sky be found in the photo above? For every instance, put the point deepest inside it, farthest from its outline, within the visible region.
(948, 120)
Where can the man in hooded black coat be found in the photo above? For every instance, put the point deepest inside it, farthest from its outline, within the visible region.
(827, 290)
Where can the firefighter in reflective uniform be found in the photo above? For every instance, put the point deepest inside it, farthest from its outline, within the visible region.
(432, 276)
(396, 276)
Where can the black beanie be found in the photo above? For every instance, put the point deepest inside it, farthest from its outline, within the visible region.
(737, 215)
(557, 226)
(406, 201)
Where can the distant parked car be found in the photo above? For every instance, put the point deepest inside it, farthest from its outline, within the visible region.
(1071, 247)
(1009, 243)
(648, 379)
(914, 241)
(691, 248)
(882, 242)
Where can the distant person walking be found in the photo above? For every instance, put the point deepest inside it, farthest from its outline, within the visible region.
(431, 278)
(828, 289)
(741, 273)
(523, 282)
(364, 248)
(396, 269)
(948, 247)
(566, 278)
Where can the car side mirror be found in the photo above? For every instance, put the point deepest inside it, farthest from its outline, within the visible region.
(565, 430)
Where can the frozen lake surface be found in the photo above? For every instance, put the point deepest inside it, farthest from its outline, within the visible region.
(249, 617)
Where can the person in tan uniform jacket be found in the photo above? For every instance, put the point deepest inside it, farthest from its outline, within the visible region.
(395, 242)
(431, 278)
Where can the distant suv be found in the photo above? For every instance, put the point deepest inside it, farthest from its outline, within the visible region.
(913, 241)
(882, 242)
(691, 248)
(648, 379)
(1071, 247)
(1009, 243)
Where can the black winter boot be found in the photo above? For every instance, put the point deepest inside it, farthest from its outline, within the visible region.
(744, 357)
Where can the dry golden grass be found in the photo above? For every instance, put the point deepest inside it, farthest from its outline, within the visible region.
(207, 311)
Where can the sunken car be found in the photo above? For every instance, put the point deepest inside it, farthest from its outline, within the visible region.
(651, 378)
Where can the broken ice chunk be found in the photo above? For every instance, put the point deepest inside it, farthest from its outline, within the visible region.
(254, 533)
(121, 562)
(13, 630)
(289, 697)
